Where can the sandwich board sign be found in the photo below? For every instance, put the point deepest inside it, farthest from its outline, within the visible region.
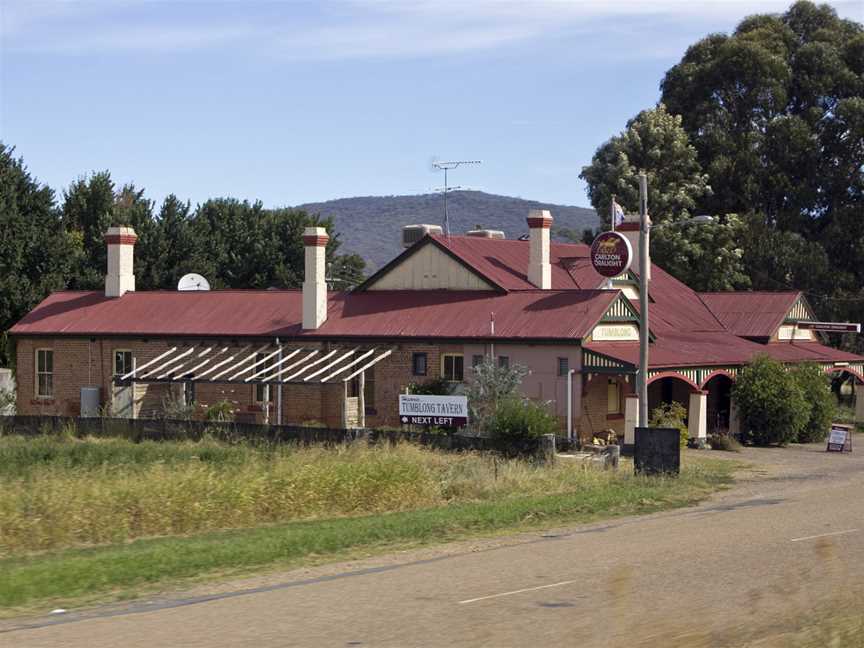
(839, 438)
(433, 411)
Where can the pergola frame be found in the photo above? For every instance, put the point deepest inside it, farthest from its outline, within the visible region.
(181, 365)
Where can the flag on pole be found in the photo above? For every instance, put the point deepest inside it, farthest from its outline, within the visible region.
(617, 215)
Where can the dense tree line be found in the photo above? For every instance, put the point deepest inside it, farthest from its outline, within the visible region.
(49, 244)
(764, 130)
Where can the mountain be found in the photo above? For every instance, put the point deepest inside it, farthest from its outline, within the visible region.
(371, 225)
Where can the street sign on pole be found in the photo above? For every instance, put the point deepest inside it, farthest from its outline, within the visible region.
(611, 254)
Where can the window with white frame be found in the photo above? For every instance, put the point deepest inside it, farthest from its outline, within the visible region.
(452, 367)
(123, 362)
(44, 373)
(262, 394)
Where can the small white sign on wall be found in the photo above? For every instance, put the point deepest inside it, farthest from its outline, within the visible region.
(615, 332)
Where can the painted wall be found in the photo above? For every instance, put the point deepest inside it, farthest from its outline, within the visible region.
(542, 382)
(430, 268)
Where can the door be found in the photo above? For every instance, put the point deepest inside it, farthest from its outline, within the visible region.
(122, 396)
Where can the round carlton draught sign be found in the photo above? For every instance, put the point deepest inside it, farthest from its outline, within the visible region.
(611, 254)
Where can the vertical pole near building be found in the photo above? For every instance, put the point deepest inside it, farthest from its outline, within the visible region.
(643, 300)
(279, 388)
(570, 404)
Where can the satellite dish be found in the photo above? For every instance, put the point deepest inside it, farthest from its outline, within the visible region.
(192, 281)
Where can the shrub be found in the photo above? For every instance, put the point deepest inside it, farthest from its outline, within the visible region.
(671, 415)
(175, 409)
(7, 402)
(771, 403)
(221, 411)
(727, 442)
(491, 386)
(816, 386)
(432, 387)
(516, 419)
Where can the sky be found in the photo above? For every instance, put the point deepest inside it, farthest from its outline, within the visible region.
(291, 102)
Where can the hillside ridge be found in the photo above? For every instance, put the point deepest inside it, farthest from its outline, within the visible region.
(371, 225)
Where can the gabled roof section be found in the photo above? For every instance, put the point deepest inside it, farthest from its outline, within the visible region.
(428, 240)
(754, 314)
(621, 310)
(504, 264)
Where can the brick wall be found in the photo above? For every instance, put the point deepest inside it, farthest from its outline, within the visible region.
(594, 415)
(81, 362)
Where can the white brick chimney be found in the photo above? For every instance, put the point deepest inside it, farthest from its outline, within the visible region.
(120, 276)
(315, 285)
(539, 270)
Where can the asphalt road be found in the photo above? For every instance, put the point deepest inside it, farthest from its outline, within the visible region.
(746, 566)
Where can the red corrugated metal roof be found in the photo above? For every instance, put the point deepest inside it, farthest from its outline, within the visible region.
(751, 314)
(717, 349)
(675, 307)
(530, 314)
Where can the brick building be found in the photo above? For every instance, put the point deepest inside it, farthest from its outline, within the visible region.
(436, 310)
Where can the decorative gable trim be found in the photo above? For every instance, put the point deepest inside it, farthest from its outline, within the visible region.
(598, 363)
(619, 311)
(800, 311)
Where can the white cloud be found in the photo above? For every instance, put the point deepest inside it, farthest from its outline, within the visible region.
(361, 28)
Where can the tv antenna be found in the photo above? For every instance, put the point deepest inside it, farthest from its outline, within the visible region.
(445, 167)
(192, 281)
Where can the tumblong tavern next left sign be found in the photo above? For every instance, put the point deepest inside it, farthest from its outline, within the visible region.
(438, 411)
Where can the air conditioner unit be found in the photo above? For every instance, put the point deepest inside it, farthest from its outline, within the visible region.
(413, 233)
(486, 233)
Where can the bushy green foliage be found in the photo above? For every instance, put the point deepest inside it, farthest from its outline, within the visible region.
(724, 441)
(432, 387)
(705, 256)
(221, 411)
(774, 112)
(653, 142)
(490, 386)
(816, 385)
(772, 405)
(176, 409)
(671, 415)
(36, 254)
(48, 246)
(517, 419)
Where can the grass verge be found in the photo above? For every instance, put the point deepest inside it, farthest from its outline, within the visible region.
(66, 576)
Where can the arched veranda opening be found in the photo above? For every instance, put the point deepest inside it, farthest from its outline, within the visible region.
(719, 388)
(848, 387)
(667, 388)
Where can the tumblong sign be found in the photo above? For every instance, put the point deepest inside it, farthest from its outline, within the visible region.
(440, 411)
(830, 327)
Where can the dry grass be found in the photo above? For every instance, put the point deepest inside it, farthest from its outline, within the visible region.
(84, 518)
(60, 492)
